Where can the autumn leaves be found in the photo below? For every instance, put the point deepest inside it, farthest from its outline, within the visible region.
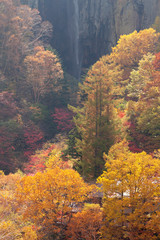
(43, 72)
(48, 198)
(28, 71)
(124, 82)
(131, 188)
(119, 99)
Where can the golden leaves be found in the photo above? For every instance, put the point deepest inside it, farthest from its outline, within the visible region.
(131, 187)
(43, 71)
(49, 196)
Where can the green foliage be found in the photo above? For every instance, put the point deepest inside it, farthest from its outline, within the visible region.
(139, 78)
(93, 120)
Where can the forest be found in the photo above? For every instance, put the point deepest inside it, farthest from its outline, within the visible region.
(78, 161)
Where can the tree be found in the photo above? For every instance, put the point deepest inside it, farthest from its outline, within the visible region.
(50, 156)
(156, 24)
(48, 198)
(129, 51)
(132, 47)
(85, 224)
(12, 225)
(131, 195)
(37, 161)
(103, 93)
(43, 72)
(140, 77)
(33, 137)
(94, 119)
(21, 30)
(19, 136)
(144, 90)
(63, 118)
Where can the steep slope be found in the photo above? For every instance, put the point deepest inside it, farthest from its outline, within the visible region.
(84, 30)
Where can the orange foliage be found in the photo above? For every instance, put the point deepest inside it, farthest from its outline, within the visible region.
(85, 224)
(43, 71)
(48, 198)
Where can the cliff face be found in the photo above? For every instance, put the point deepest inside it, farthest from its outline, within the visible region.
(84, 30)
(31, 3)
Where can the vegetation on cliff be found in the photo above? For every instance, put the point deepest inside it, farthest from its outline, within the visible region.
(110, 131)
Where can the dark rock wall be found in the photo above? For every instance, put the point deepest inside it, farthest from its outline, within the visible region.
(84, 30)
(64, 15)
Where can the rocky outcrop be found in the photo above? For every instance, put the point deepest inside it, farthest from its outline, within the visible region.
(84, 30)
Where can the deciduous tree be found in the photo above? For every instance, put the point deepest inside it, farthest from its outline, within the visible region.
(85, 224)
(11, 223)
(48, 198)
(130, 49)
(43, 72)
(131, 188)
(144, 91)
(21, 30)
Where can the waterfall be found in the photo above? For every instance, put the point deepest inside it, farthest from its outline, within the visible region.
(76, 30)
(76, 37)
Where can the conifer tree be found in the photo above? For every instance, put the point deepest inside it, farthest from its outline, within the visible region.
(95, 117)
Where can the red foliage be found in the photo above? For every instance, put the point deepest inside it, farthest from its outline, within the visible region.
(37, 162)
(121, 114)
(35, 165)
(33, 138)
(63, 117)
(133, 147)
(12, 152)
(140, 141)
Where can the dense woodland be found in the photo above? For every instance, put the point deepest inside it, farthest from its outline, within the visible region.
(77, 161)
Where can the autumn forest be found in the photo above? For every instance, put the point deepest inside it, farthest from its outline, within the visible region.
(79, 159)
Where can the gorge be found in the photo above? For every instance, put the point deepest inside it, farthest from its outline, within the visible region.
(84, 30)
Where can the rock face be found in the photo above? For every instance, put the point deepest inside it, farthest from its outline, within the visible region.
(31, 3)
(84, 30)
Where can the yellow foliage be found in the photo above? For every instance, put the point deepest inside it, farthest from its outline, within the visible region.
(131, 189)
(48, 197)
(54, 160)
(10, 220)
(43, 71)
(1, 173)
(8, 230)
(131, 48)
(29, 233)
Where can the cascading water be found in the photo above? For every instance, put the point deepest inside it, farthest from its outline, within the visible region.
(73, 36)
(76, 36)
